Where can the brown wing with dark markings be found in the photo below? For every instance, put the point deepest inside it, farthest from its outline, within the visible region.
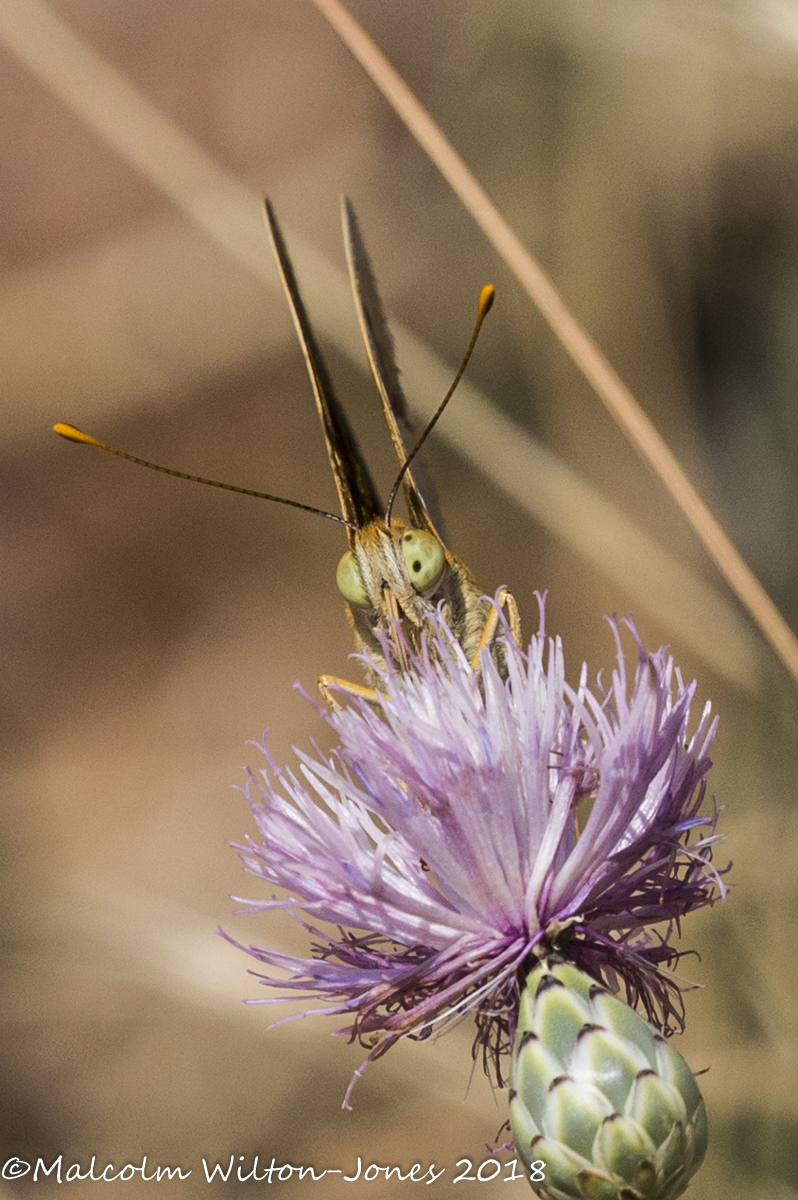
(360, 503)
(380, 349)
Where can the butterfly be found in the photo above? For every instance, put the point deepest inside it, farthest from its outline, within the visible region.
(394, 571)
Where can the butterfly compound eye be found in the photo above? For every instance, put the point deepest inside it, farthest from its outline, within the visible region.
(349, 582)
(424, 558)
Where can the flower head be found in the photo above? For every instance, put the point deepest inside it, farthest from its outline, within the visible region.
(476, 818)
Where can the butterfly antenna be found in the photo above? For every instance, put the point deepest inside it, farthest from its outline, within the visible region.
(485, 302)
(77, 435)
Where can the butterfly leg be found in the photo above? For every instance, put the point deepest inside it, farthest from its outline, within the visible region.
(513, 615)
(506, 601)
(329, 684)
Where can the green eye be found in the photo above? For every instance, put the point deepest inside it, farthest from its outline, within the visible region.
(424, 558)
(349, 582)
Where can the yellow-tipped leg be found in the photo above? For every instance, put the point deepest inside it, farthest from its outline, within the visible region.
(328, 684)
(513, 616)
(506, 600)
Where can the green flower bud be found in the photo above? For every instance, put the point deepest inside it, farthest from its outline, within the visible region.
(599, 1096)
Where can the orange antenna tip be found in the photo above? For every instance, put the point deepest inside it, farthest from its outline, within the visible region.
(74, 435)
(486, 298)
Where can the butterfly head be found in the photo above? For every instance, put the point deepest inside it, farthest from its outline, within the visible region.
(392, 572)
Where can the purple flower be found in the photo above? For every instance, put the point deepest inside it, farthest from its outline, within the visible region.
(475, 818)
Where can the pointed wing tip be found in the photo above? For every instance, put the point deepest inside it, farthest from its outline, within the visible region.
(271, 216)
(350, 225)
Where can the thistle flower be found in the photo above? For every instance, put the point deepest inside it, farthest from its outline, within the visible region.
(476, 819)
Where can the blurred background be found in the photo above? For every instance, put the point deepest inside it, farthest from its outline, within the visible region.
(647, 153)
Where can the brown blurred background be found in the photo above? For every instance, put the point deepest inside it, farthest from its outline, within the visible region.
(647, 153)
